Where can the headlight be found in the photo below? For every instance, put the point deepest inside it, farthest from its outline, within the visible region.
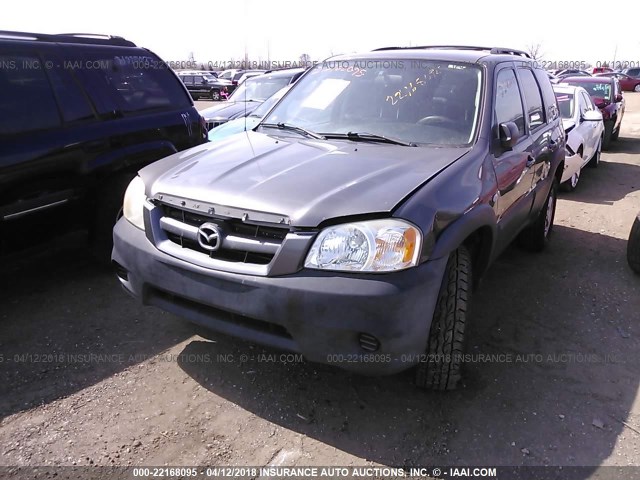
(369, 246)
(133, 207)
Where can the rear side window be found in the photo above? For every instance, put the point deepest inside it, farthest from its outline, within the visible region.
(535, 113)
(548, 96)
(508, 106)
(72, 101)
(139, 82)
(26, 100)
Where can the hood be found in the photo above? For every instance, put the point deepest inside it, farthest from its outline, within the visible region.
(308, 181)
(229, 110)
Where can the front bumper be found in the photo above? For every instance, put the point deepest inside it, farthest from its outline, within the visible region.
(322, 315)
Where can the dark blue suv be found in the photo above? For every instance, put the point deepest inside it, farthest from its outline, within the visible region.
(79, 116)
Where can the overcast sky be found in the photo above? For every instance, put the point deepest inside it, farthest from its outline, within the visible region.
(282, 30)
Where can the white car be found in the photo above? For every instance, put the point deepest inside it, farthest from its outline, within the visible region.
(584, 127)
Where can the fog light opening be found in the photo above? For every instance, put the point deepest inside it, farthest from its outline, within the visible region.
(368, 342)
(121, 272)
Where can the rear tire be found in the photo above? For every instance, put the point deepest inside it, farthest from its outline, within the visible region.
(633, 247)
(608, 131)
(442, 367)
(536, 237)
(616, 134)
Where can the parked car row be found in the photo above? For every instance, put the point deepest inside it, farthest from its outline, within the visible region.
(584, 129)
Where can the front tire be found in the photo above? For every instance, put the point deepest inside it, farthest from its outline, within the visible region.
(215, 95)
(594, 162)
(633, 247)
(536, 237)
(442, 367)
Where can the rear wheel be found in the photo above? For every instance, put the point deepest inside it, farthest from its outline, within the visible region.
(442, 366)
(616, 134)
(608, 131)
(633, 246)
(536, 237)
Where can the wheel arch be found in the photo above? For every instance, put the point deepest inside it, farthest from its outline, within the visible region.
(477, 231)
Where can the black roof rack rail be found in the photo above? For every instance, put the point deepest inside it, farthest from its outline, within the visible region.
(85, 38)
(494, 50)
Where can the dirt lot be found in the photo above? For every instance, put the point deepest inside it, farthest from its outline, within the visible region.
(87, 376)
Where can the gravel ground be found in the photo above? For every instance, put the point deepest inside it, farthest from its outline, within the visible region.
(89, 377)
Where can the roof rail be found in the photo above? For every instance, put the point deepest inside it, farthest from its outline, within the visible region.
(85, 38)
(494, 50)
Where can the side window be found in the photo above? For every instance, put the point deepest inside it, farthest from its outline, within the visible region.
(27, 102)
(533, 97)
(136, 81)
(548, 96)
(508, 106)
(584, 105)
(187, 79)
(198, 80)
(72, 100)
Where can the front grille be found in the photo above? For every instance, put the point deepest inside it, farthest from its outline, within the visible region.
(211, 124)
(242, 242)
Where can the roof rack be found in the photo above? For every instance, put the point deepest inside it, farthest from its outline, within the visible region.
(86, 38)
(493, 50)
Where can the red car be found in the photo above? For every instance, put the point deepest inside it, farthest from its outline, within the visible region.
(627, 82)
(607, 95)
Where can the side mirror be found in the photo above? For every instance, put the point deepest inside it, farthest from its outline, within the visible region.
(592, 116)
(509, 135)
(619, 97)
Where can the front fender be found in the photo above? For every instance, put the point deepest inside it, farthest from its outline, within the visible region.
(479, 218)
(134, 156)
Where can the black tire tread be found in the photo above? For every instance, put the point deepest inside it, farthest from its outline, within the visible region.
(442, 368)
(633, 247)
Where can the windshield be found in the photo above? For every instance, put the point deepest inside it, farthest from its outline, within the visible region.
(566, 104)
(416, 101)
(596, 90)
(264, 108)
(258, 88)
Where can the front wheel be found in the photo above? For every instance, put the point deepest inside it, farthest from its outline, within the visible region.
(637, 88)
(594, 162)
(215, 95)
(571, 184)
(633, 246)
(442, 366)
(536, 236)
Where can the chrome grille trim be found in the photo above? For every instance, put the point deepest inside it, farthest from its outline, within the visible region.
(209, 208)
(231, 242)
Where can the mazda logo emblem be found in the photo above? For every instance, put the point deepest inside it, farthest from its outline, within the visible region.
(209, 236)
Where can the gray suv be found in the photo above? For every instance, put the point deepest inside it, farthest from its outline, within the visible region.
(353, 223)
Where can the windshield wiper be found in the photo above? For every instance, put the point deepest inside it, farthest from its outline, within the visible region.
(370, 137)
(293, 128)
